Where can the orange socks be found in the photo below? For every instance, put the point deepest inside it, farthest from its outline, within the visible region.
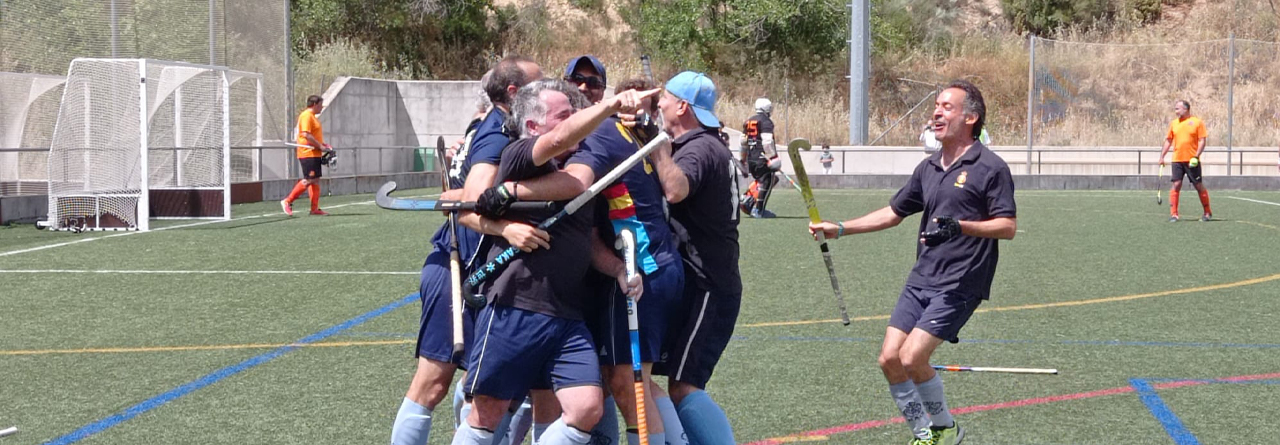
(314, 192)
(297, 191)
(1173, 202)
(1204, 201)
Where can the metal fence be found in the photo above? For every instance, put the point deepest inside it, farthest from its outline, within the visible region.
(265, 163)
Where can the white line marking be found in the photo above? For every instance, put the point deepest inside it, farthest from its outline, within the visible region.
(208, 272)
(1255, 200)
(182, 226)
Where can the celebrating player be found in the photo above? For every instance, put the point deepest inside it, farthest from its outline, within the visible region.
(700, 186)
(966, 193)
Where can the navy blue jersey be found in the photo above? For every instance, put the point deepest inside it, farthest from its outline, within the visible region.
(752, 129)
(977, 187)
(547, 281)
(635, 200)
(483, 146)
(708, 216)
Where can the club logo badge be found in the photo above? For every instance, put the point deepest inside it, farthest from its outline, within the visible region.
(964, 176)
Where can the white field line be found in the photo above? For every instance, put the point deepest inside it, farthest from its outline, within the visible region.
(207, 272)
(182, 226)
(1255, 200)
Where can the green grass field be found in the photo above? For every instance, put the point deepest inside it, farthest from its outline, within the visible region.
(98, 345)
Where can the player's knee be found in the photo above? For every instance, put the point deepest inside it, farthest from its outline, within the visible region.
(890, 361)
(583, 413)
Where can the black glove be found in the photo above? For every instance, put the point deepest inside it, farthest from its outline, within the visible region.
(495, 201)
(947, 229)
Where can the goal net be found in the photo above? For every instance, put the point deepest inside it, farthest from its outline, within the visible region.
(138, 139)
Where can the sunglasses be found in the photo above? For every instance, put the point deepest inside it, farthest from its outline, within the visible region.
(592, 82)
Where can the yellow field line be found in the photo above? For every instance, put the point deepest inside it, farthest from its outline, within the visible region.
(205, 347)
(1166, 293)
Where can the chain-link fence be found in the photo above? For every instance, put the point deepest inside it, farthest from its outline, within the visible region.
(39, 38)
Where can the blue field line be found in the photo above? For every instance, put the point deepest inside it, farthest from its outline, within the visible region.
(1015, 341)
(209, 379)
(1172, 424)
(1218, 381)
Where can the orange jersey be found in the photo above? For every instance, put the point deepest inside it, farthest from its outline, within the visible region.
(307, 122)
(1186, 135)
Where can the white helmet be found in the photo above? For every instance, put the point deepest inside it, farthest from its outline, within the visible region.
(764, 106)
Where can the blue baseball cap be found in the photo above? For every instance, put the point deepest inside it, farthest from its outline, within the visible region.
(698, 90)
(595, 63)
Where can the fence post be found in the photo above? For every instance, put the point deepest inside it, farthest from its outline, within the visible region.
(1031, 85)
(1231, 82)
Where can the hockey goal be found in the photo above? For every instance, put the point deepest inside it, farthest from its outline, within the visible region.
(141, 139)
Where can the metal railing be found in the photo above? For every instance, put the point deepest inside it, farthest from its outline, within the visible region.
(249, 164)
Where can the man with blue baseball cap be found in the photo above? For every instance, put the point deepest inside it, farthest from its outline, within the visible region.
(588, 74)
(700, 185)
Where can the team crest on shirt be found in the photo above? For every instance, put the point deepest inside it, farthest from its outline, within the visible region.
(964, 176)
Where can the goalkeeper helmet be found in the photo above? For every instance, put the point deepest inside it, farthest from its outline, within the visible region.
(763, 105)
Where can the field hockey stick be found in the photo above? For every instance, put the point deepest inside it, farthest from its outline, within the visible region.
(9, 431)
(384, 200)
(500, 262)
(989, 369)
(793, 150)
(440, 167)
(455, 288)
(627, 244)
(1159, 188)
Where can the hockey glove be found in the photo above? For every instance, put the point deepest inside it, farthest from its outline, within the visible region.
(947, 229)
(495, 201)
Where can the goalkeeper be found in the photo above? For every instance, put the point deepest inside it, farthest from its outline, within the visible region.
(310, 152)
(1186, 137)
(762, 156)
(966, 193)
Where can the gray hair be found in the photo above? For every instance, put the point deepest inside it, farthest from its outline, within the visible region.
(528, 105)
(484, 104)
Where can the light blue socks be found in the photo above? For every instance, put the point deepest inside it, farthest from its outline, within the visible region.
(671, 426)
(704, 421)
(413, 424)
(561, 434)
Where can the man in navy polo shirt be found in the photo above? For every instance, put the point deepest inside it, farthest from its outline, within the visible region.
(700, 184)
(966, 194)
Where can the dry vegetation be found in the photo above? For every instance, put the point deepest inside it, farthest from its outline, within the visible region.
(1099, 94)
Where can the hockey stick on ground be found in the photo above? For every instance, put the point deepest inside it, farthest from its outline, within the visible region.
(498, 263)
(1159, 187)
(987, 369)
(9, 431)
(627, 244)
(793, 150)
(384, 200)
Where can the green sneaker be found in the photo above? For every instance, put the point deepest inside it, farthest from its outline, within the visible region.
(932, 440)
(947, 436)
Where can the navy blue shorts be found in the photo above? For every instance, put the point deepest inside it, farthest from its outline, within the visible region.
(311, 168)
(663, 291)
(941, 313)
(518, 350)
(698, 335)
(435, 333)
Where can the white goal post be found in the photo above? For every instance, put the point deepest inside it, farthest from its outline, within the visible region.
(142, 139)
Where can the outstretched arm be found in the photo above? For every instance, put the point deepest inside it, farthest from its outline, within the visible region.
(872, 222)
(998, 228)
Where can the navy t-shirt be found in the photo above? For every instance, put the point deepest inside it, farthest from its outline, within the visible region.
(483, 146)
(706, 221)
(635, 200)
(547, 281)
(977, 187)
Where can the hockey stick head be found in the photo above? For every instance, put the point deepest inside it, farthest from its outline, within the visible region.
(440, 167)
(799, 144)
(383, 198)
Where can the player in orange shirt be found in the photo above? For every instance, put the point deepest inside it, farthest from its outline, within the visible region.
(312, 149)
(1186, 137)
